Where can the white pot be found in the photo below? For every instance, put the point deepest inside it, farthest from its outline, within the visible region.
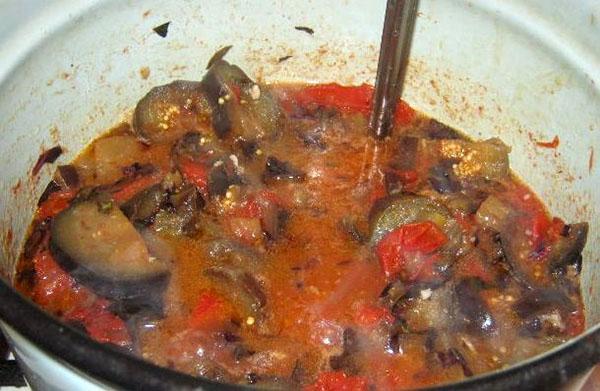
(520, 70)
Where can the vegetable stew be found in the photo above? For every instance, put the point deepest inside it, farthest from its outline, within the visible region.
(256, 234)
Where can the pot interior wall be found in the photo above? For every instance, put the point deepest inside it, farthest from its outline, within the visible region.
(521, 71)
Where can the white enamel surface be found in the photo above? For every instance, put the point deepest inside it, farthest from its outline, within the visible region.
(520, 70)
(45, 372)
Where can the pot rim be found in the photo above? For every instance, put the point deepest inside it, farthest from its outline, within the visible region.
(115, 367)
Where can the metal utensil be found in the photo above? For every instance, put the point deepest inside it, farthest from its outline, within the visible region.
(396, 38)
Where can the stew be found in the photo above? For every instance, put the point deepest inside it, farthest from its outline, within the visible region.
(255, 234)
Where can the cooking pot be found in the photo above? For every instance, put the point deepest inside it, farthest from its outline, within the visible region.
(524, 71)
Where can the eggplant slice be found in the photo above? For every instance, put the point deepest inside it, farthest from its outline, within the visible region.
(167, 112)
(100, 248)
(394, 211)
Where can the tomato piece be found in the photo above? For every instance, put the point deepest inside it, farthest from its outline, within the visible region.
(534, 220)
(425, 237)
(101, 324)
(132, 188)
(210, 311)
(350, 99)
(55, 203)
(415, 240)
(58, 292)
(54, 288)
(195, 173)
(369, 316)
(338, 381)
(404, 114)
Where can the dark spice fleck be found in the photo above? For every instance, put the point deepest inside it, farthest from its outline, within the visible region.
(307, 30)
(48, 156)
(162, 30)
(284, 58)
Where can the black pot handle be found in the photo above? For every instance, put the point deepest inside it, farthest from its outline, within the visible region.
(10, 373)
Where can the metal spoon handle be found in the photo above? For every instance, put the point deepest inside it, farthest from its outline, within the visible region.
(396, 38)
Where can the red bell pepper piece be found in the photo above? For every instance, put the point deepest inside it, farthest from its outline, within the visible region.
(404, 114)
(338, 381)
(408, 241)
(348, 99)
(132, 188)
(195, 173)
(55, 203)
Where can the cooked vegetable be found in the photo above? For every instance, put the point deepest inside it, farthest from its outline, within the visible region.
(67, 177)
(243, 287)
(210, 312)
(397, 210)
(55, 203)
(482, 159)
(277, 170)
(540, 300)
(453, 357)
(443, 179)
(437, 130)
(544, 311)
(494, 213)
(100, 239)
(346, 360)
(219, 55)
(167, 112)
(238, 104)
(48, 156)
(96, 243)
(183, 218)
(111, 155)
(143, 206)
(567, 249)
(474, 314)
(222, 175)
(408, 250)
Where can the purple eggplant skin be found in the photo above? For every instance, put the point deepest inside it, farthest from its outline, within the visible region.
(473, 314)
